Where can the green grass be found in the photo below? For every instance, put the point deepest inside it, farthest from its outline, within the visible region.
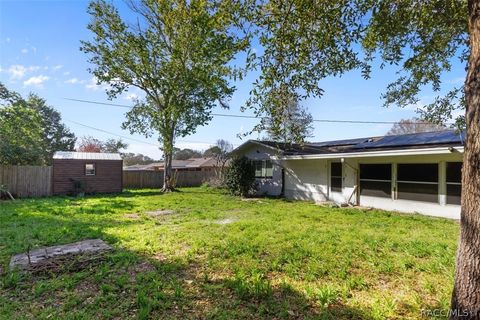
(218, 257)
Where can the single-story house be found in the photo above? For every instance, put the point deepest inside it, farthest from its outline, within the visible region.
(416, 173)
(192, 164)
(92, 172)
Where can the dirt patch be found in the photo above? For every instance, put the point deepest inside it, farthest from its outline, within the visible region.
(159, 213)
(226, 221)
(160, 257)
(140, 268)
(132, 216)
(252, 200)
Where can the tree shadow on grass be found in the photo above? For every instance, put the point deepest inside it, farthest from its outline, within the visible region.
(232, 298)
(131, 284)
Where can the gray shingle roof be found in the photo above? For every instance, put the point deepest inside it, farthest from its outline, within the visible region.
(86, 155)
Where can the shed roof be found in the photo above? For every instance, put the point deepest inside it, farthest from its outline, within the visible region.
(71, 155)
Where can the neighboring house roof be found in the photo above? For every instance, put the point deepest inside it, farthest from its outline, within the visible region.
(422, 140)
(71, 155)
(137, 167)
(176, 164)
(201, 163)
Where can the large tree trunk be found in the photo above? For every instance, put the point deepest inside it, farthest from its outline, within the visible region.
(466, 292)
(168, 178)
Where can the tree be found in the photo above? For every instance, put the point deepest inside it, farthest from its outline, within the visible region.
(177, 52)
(56, 136)
(414, 125)
(130, 158)
(23, 121)
(294, 123)
(220, 152)
(91, 144)
(20, 136)
(114, 146)
(305, 41)
(240, 177)
(184, 154)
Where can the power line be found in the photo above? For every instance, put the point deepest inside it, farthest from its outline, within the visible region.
(112, 133)
(129, 138)
(253, 117)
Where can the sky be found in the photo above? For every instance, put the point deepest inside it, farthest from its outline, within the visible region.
(39, 52)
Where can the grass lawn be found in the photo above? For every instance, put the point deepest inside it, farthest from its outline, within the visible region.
(219, 257)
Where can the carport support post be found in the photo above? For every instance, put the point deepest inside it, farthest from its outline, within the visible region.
(442, 183)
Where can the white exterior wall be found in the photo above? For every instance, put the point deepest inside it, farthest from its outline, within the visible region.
(310, 180)
(273, 186)
(306, 180)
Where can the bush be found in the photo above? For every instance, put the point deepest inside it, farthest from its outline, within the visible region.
(240, 177)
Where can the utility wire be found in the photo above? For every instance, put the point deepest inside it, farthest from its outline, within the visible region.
(112, 133)
(129, 138)
(253, 117)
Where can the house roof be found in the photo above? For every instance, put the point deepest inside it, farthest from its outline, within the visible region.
(71, 155)
(395, 142)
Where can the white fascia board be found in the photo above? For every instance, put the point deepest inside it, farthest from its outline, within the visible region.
(252, 142)
(382, 153)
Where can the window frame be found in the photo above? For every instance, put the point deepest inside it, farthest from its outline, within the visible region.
(332, 188)
(389, 181)
(399, 182)
(261, 165)
(94, 169)
(453, 183)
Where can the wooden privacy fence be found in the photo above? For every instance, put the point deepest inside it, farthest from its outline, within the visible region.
(154, 179)
(36, 181)
(27, 181)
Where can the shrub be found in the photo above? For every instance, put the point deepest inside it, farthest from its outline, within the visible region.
(240, 177)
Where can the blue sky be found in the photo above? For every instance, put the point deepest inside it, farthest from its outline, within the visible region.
(39, 52)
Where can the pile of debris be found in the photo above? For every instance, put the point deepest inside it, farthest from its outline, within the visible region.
(73, 256)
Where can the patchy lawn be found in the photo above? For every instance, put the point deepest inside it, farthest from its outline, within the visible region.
(201, 254)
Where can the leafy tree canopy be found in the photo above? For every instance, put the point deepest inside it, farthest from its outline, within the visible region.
(91, 144)
(184, 154)
(414, 125)
(178, 53)
(132, 158)
(31, 130)
(303, 42)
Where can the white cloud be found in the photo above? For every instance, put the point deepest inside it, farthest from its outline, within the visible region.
(131, 97)
(18, 71)
(57, 67)
(72, 81)
(66, 73)
(92, 84)
(36, 81)
(24, 51)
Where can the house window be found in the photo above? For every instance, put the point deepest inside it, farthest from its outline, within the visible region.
(263, 169)
(376, 180)
(336, 177)
(418, 182)
(90, 169)
(454, 182)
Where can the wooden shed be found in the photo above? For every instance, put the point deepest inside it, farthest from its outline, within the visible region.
(88, 172)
